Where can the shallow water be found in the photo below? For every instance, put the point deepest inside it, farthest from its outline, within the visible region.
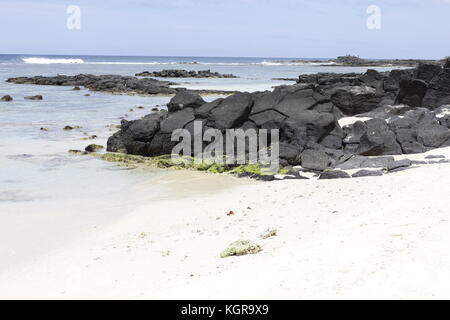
(48, 195)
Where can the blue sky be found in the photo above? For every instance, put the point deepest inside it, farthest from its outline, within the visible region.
(247, 28)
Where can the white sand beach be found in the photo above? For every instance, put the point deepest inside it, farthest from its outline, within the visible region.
(376, 237)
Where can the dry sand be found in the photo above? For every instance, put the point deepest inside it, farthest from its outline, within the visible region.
(377, 237)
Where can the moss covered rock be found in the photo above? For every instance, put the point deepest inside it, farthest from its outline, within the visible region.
(94, 148)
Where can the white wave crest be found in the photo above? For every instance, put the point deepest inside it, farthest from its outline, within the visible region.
(138, 63)
(35, 60)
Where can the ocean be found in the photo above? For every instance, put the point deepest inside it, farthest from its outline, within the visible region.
(41, 183)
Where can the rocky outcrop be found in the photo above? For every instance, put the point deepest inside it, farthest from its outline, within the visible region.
(306, 115)
(438, 92)
(184, 74)
(112, 84)
(106, 83)
(355, 61)
(418, 130)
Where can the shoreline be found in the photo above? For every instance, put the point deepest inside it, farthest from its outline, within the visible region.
(348, 248)
(27, 238)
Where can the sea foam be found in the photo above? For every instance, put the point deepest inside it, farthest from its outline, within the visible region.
(35, 60)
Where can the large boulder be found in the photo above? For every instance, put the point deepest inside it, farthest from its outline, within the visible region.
(185, 99)
(392, 83)
(412, 92)
(231, 112)
(316, 160)
(378, 140)
(427, 71)
(134, 136)
(177, 120)
(438, 92)
(353, 100)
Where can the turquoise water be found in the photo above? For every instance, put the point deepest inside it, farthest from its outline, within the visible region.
(41, 183)
(35, 164)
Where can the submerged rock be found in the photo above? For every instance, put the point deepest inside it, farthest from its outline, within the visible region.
(77, 152)
(68, 128)
(92, 137)
(37, 97)
(93, 148)
(7, 98)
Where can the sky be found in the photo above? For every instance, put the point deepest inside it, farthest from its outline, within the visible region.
(228, 28)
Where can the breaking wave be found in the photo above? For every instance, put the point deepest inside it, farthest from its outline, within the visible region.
(42, 60)
(35, 60)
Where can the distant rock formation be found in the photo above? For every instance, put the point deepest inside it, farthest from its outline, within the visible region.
(111, 83)
(106, 83)
(184, 74)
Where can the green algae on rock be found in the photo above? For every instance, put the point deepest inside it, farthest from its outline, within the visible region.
(181, 163)
(94, 148)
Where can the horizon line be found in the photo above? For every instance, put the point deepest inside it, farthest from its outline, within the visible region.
(202, 56)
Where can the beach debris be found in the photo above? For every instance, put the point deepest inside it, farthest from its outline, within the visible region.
(37, 97)
(93, 148)
(142, 235)
(43, 129)
(87, 95)
(268, 233)
(76, 89)
(241, 248)
(165, 253)
(231, 213)
(7, 98)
